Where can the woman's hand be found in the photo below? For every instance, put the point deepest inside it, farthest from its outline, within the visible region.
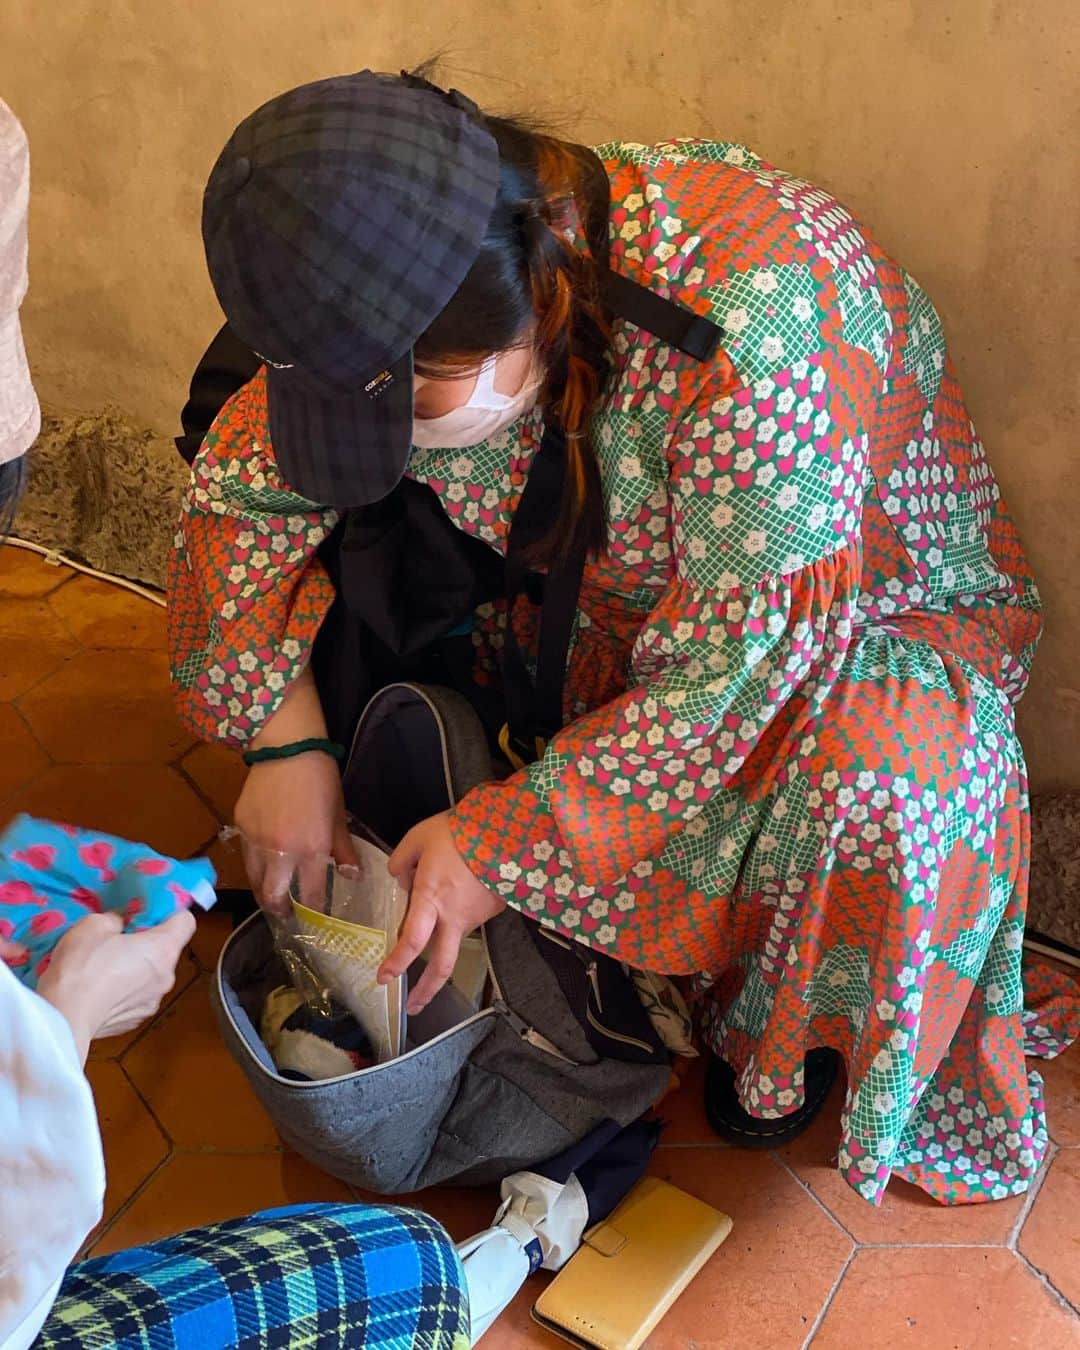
(293, 807)
(446, 902)
(106, 981)
(13, 953)
(293, 811)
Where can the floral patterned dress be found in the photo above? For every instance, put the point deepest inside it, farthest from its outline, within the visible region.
(790, 766)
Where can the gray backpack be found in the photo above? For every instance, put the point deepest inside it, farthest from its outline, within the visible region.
(564, 1046)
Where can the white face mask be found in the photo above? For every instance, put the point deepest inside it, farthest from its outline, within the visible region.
(486, 413)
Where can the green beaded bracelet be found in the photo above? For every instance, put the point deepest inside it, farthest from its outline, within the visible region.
(271, 752)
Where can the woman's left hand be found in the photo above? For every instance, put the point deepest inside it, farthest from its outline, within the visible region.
(446, 902)
(13, 953)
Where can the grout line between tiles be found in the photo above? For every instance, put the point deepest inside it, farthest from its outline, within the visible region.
(1032, 1195)
(175, 995)
(67, 660)
(13, 797)
(713, 1144)
(203, 850)
(933, 1246)
(13, 705)
(1048, 1284)
(1013, 1244)
(214, 1151)
(781, 1162)
(169, 1140)
(123, 1209)
(125, 1205)
(829, 1297)
(177, 766)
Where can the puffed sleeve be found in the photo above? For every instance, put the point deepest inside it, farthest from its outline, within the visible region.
(765, 488)
(247, 593)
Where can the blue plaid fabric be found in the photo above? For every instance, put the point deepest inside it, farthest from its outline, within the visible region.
(314, 1275)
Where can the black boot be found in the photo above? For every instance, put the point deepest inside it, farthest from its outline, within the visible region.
(732, 1123)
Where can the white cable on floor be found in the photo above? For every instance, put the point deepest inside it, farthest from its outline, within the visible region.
(54, 558)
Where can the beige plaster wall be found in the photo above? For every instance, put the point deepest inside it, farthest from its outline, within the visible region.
(951, 126)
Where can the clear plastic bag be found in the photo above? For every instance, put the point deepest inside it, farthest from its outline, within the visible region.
(342, 924)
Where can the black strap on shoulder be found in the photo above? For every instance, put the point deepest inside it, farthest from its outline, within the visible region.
(670, 322)
(226, 366)
(666, 319)
(534, 703)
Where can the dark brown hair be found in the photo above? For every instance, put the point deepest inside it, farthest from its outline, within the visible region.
(530, 283)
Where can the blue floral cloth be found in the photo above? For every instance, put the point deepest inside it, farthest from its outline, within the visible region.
(51, 876)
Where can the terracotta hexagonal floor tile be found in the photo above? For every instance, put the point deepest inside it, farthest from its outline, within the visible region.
(21, 758)
(683, 1110)
(775, 1270)
(35, 644)
(925, 1298)
(194, 1189)
(134, 1146)
(462, 1210)
(143, 802)
(211, 930)
(112, 1047)
(229, 865)
(103, 615)
(106, 707)
(219, 774)
(1051, 1235)
(198, 1094)
(25, 575)
(906, 1214)
(1062, 1079)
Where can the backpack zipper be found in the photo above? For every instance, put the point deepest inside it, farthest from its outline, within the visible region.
(617, 1035)
(516, 1022)
(594, 984)
(528, 1033)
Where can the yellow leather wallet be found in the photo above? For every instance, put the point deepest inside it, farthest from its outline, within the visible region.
(630, 1269)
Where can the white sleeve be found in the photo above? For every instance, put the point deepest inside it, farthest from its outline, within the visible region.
(52, 1172)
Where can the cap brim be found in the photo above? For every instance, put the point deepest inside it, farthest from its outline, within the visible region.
(342, 450)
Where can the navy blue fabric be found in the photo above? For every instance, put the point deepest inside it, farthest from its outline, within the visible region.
(611, 1174)
(562, 1167)
(608, 1163)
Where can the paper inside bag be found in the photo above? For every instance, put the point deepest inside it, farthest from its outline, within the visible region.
(346, 945)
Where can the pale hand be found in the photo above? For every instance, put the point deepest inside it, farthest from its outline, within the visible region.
(446, 902)
(13, 952)
(293, 807)
(107, 982)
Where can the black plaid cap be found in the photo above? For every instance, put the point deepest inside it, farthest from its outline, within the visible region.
(338, 222)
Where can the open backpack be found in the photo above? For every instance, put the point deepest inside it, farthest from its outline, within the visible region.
(563, 1045)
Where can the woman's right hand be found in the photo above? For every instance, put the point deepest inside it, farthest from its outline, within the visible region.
(291, 812)
(106, 981)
